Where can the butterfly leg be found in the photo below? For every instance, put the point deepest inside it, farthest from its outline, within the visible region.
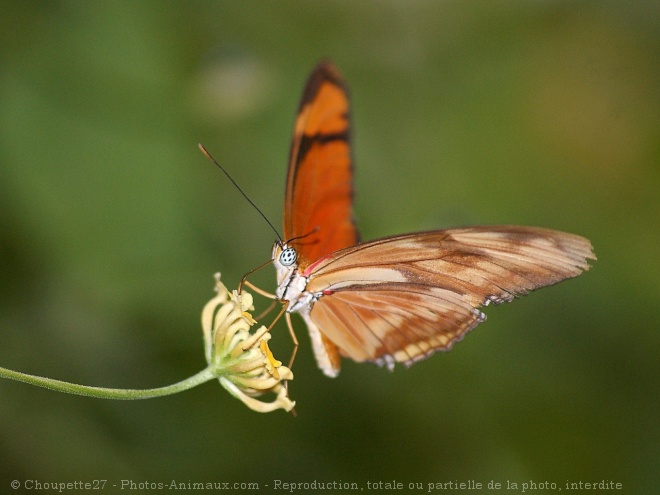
(265, 294)
(285, 304)
(279, 315)
(266, 311)
(289, 324)
(257, 289)
(245, 281)
(293, 337)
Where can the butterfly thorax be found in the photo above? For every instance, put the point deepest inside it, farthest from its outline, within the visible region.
(292, 287)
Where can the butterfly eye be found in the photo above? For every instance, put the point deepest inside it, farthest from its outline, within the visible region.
(288, 256)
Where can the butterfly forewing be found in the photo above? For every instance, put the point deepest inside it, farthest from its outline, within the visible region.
(319, 191)
(400, 299)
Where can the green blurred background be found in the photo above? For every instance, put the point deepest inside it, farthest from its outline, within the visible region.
(112, 224)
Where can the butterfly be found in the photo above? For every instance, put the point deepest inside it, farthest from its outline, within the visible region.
(398, 299)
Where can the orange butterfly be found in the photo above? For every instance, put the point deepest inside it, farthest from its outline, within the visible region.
(397, 299)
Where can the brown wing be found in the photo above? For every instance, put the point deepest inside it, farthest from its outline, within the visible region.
(319, 190)
(402, 298)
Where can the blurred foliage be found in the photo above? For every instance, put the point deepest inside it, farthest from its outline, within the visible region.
(112, 225)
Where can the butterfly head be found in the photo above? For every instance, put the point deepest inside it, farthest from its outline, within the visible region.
(285, 259)
(288, 256)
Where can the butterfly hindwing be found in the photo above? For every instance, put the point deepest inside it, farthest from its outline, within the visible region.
(388, 323)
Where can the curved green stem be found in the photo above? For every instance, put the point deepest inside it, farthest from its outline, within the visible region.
(205, 375)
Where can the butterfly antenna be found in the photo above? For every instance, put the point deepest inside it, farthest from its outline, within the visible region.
(208, 155)
(313, 231)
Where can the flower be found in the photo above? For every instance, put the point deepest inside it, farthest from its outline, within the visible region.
(242, 360)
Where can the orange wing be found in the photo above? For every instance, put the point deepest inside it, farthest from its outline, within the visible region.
(402, 298)
(319, 189)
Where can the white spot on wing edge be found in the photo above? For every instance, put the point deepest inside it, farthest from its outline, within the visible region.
(320, 352)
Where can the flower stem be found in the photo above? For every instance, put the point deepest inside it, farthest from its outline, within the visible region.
(205, 375)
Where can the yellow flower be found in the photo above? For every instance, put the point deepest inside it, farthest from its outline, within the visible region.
(243, 361)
